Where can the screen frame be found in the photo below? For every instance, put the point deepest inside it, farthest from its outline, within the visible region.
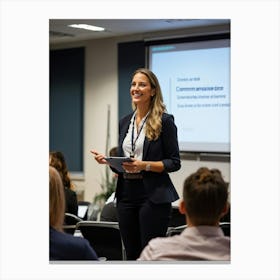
(190, 39)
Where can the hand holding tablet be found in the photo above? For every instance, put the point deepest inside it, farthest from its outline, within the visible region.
(116, 162)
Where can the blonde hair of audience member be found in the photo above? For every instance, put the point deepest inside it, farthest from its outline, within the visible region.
(157, 107)
(56, 200)
(205, 196)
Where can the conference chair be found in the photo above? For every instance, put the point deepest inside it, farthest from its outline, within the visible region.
(175, 230)
(105, 238)
(225, 226)
(70, 221)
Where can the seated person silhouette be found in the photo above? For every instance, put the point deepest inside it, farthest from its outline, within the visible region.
(109, 210)
(205, 202)
(63, 246)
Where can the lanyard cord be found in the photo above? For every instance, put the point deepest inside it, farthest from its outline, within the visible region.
(138, 134)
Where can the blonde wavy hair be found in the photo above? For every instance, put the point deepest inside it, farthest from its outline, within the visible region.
(56, 199)
(157, 107)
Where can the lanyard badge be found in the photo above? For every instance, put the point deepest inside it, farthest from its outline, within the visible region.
(133, 143)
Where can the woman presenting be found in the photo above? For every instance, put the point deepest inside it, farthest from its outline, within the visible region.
(145, 191)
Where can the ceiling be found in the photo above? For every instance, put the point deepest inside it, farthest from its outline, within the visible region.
(60, 32)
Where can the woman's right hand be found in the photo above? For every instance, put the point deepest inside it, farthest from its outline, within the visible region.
(98, 157)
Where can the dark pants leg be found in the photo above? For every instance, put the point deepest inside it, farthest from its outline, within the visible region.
(140, 222)
(130, 231)
(154, 219)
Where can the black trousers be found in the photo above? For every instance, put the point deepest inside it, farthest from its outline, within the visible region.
(140, 220)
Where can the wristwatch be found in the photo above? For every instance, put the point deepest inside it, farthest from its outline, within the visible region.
(148, 167)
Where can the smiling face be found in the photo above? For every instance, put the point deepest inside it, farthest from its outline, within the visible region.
(141, 91)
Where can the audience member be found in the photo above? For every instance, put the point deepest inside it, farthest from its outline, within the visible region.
(63, 246)
(205, 196)
(57, 161)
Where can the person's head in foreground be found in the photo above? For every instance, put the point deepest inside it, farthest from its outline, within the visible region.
(63, 246)
(205, 197)
(205, 202)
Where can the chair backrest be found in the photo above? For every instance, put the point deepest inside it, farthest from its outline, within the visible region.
(175, 230)
(225, 226)
(70, 221)
(105, 238)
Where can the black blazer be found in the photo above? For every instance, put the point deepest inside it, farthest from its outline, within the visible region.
(158, 185)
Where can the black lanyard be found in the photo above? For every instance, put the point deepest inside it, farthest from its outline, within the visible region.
(138, 134)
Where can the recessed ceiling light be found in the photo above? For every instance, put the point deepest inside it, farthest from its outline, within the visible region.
(88, 27)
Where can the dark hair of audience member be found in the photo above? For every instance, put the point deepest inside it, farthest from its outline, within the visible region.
(56, 200)
(57, 160)
(205, 195)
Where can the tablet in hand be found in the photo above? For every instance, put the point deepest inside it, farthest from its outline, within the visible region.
(116, 162)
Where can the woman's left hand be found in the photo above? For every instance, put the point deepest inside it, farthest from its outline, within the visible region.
(134, 166)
